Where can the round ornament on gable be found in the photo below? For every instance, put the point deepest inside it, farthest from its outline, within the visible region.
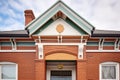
(60, 28)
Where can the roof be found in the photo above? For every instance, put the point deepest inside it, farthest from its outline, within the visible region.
(105, 33)
(37, 23)
(15, 33)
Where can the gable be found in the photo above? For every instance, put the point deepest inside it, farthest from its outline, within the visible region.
(69, 29)
(59, 7)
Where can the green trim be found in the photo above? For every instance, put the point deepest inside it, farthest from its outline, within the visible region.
(5, 44)
(75, 26)
(42, 21)
(82, 32)
(77, 15)
(55, 8)
(108, 43)
(77, 21)
(27, 27)
(92, 43)
(25, 43)
(44, 26)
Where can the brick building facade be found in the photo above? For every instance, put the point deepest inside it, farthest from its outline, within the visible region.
(59, 45)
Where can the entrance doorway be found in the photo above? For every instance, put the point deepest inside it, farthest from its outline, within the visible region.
(61, 70)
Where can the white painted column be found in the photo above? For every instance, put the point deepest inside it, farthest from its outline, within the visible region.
(40, 51)
(13, 44)
(80, 50)
(115, 45)
(101, 42)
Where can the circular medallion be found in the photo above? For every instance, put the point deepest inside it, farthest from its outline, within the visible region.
(60, 28)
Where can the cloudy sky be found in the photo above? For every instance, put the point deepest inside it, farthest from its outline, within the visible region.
(103, 14)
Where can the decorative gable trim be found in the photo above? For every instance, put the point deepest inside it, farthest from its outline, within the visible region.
(70, 28)
(59, 6)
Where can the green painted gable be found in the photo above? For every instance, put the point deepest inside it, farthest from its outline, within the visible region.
(76, 27)
(76, 21)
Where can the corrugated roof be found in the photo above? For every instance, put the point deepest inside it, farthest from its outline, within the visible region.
(105, 33)
(95, 33)
(15, 33)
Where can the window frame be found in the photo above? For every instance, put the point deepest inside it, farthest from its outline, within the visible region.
(9, 63)
(109, 64)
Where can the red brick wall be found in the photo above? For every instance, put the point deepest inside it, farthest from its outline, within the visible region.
(108, 47)
(40, 70)
(6, 47)
(25, 61)
(81, 70)
(30, 68)
(92, 47)
(94, 59)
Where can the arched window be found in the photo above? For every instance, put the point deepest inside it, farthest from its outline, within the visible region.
(8, 71)
(109, 71)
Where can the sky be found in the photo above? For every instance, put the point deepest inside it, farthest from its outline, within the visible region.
(102, 14)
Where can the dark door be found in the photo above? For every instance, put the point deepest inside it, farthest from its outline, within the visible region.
(61, 75)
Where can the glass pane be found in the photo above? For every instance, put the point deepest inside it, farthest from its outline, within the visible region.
(8, 71)
(61, 75)
(108, 72)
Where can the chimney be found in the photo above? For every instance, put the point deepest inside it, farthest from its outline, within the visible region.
(29, 16)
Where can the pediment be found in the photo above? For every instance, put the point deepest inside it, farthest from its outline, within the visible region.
(67, 29)
(71, 21)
